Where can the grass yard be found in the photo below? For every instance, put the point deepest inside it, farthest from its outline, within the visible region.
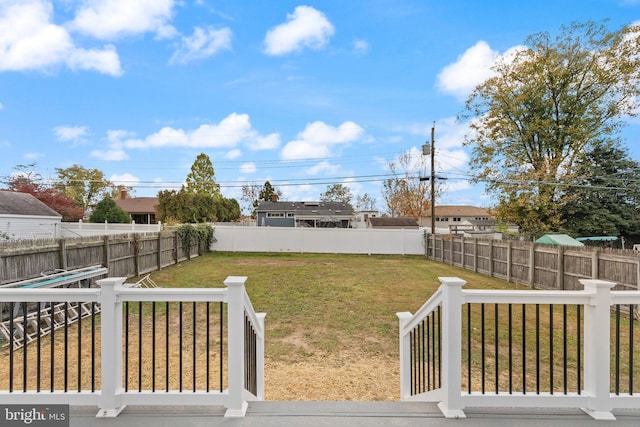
(332, 330)
(331, 325)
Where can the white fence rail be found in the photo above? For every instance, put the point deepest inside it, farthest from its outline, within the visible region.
(82, 229)
(110, 395)
(438, 353)
(319, 240)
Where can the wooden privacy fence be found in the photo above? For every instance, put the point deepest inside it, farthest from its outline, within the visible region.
(126, 255)
(537, 265)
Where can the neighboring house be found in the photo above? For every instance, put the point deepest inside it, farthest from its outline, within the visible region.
(22, 216)
(466, 220)
(361, 218)
(141, 209)
(304, 214)
(393, 223)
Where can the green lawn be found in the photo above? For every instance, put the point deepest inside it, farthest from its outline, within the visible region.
(330, 303)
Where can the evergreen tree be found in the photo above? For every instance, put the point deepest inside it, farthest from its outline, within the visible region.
(605, 197)
(107, 210)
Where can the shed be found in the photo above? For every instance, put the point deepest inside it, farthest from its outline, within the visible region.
(559, 240)
(22, 216)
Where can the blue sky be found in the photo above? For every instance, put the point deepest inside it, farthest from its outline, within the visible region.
(304, 94)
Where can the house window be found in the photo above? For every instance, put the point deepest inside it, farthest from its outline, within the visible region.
(456, 219)
(275, 214)
(290, 214)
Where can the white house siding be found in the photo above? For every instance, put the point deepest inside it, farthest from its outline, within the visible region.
(18, 227)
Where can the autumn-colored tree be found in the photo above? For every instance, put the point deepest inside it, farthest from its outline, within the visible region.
(85, 186)
(405, 194)
(26, 180)
(545, 107)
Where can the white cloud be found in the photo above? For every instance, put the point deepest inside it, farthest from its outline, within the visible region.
(248, 167)
(471, 68)
(228, 133)
(204, 42)
(75, 134)
(30, 41)
(115, 152)
(321, 167)
(233, 154)
(305, 27)
(268, 142)
(318, 138)
(124, 179)
(33, 156)
(104, 61)
(112, 19)
(360, 46)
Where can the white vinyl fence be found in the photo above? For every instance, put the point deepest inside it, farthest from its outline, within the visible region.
(318, 240)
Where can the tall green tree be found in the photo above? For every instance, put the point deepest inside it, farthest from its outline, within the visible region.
(201, 179)
(605, 197)
(85, 186)
(543, 109)
(182, 207)
(337, 193)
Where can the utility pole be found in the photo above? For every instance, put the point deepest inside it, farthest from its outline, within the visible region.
(431, 149)
(433, 180)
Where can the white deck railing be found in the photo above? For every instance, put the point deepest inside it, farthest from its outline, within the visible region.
(109, 395)
(436, 349)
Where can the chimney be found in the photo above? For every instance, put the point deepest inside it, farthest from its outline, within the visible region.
(123, 193)
(274, 197)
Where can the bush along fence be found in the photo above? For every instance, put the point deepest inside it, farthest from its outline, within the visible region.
(536, 265)
(126, 255)
(134, 346)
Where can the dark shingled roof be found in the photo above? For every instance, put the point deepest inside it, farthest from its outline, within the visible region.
(14, 203)
(307, 208)
(138, 205)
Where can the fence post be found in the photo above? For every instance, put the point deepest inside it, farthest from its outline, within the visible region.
(475, 254)
(236, 407)
(405, 356)
(111, 347)
(452, 405)
(106, 252)
(159, 257)
(509, 260)
(597, 348)
(560, 268)
(532, 265)
(491, 257)
(63, 254)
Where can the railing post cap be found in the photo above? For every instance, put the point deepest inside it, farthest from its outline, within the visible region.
(452, 281)
(597, 284)
(235, 281)
(111, 281)
(403, 315)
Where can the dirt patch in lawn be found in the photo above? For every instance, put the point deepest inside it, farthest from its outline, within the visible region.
(332, 377)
